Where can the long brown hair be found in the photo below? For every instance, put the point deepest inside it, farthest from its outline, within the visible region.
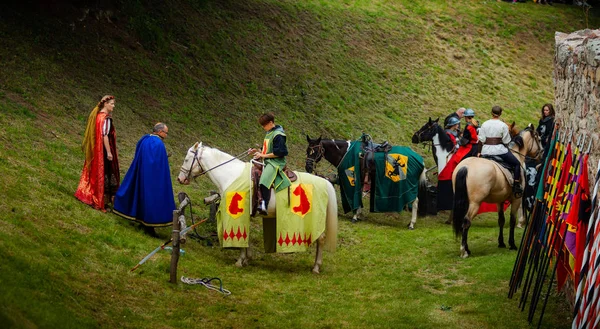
(549, 107)
(89, 137)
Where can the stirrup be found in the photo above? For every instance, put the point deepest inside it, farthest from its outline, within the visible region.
(517, 189)
(262, 208)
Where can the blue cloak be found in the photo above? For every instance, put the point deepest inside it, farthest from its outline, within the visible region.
(146, 193)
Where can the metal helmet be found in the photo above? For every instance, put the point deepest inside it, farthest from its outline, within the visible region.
(452, 121)
(469, 113)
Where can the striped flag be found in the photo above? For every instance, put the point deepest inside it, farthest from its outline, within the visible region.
(584, 298)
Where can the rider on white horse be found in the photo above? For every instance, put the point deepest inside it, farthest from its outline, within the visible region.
(273, 152)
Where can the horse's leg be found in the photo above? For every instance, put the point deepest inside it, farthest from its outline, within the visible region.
(357, 215)
(514, 208)
(471, 213)
(522, 218)
(243, 260)
(319, 254)
(413, 219)
(449, 220)
(464, 246)
(501, 221)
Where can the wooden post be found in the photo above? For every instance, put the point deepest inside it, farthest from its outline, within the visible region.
(175, 253)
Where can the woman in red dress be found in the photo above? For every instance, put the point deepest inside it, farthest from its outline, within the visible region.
(468, 147)
(100, 176)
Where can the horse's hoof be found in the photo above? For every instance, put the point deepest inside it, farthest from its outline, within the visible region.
(513, 248)
(410, 227)
(501, 245)
(354, 220)
(239, 263)
(448, 222)
(316, 270)
(464, 255)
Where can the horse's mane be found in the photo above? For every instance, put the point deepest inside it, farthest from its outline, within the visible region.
(219, 155)
(445, 141)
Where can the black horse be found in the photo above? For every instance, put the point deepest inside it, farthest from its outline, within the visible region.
(334, 150)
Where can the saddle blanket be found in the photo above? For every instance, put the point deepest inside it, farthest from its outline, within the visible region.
(395, 182)
(507, 174)
(301, 214)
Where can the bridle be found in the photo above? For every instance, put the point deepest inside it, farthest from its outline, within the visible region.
(188, 172)
(419, 133)
(197, 157)
(535, 140)
(319, 150)
(422, 131)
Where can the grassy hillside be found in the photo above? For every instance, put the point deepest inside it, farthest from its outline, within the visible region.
(208, 69)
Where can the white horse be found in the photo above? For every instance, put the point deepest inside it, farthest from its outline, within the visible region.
(223, 169)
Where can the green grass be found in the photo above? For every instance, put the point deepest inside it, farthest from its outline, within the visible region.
(208, 69)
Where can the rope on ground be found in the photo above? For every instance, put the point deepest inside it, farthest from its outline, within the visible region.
(206, 282)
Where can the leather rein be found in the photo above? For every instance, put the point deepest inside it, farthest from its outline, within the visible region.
(188, 172)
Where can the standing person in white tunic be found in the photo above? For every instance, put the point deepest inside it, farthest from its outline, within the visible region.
(495, 137)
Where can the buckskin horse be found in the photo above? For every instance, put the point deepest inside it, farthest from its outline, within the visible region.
(443, 151)
(224, 169)
(334, 150)
(478, 180)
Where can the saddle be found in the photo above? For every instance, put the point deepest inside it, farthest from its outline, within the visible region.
(255, 173)
(367, 158)
(500, 162)
(509, 173)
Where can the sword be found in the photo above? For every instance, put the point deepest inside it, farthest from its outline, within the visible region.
(162, 246)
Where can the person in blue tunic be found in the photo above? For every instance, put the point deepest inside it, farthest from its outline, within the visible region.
(146, 193)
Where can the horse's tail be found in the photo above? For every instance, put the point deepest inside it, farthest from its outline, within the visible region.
(422, 193)
(461, 201)
(331, 223)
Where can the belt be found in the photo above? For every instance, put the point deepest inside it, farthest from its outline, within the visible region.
(493, 141)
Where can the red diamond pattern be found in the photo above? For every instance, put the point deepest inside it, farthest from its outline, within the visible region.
(245, 235)
(225, 235)
(296, 239)
(287, 239)
(239, 234)
(231, 233)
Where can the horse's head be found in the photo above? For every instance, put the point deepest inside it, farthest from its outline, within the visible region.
(191, 164)
(314, 153)
(426, 132)
(529, 143)
(512, 129)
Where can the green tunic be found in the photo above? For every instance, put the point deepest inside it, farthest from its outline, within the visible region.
(273, 175)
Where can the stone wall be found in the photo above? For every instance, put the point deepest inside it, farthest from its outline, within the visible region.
(577, 87)
(577, 96)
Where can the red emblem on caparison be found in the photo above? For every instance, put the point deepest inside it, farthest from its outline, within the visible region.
(234, 207)
(304, 205)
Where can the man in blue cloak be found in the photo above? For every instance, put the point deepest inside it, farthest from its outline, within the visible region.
(146, 193)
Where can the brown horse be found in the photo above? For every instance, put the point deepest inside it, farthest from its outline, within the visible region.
(477, 180)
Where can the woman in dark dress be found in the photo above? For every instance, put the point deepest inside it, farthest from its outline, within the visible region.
(546, 126)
